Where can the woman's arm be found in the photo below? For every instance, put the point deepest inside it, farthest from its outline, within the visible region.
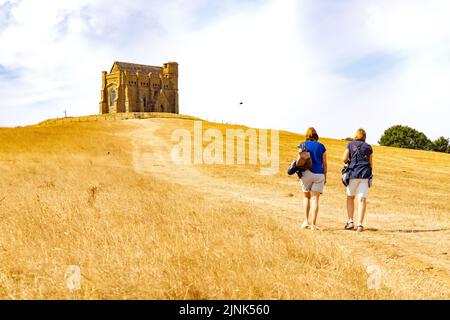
(371, 160)
(346, 156)
(325, 165)
(298, 157)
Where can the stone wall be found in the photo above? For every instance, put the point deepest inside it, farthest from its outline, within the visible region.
(114, 117)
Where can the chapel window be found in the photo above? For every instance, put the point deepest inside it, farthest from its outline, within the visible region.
(112, 97)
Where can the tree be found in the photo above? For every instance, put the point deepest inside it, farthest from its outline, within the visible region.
(442, 144)
(405, 137)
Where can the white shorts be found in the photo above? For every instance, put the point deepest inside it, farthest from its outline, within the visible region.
(312, 182)
(360, 186)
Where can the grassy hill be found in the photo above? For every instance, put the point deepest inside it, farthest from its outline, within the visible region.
(104, 195)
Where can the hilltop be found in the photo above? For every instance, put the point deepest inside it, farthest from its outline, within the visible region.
(105, 195)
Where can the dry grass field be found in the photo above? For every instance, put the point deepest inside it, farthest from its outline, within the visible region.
(105, 196)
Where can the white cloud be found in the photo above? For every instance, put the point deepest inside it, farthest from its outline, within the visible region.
(334, 65)
(248, 57)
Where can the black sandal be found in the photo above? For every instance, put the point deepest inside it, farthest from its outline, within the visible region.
(350, 225)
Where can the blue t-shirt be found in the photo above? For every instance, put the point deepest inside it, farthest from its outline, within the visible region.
(316, 150)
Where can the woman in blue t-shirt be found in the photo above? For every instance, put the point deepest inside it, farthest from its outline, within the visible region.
(313, 180)
(359, 156)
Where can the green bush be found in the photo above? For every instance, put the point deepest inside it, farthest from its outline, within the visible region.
(406, 137)
(441, 144)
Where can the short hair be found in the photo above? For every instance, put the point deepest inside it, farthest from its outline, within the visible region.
(360, 135)
(311, 134)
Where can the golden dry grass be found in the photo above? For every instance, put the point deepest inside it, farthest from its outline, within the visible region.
(94, 194)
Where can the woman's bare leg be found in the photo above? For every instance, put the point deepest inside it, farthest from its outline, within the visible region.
(362, 210)
(350, 207)
(315, 207)
(307, 205)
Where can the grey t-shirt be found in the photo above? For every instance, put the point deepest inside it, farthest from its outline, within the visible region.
(359, 160)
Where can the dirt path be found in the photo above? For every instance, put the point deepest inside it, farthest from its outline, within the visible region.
(406, 257)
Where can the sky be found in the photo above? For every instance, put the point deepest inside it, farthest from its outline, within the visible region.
(335, 65)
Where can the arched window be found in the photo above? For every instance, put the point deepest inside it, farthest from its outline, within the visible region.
(112, 97)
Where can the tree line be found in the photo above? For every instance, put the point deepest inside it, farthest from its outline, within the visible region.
(407, 137)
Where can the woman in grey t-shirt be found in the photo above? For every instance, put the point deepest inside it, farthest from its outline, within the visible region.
(358, 155)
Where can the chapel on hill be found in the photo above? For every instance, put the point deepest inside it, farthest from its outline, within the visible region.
(133, 87)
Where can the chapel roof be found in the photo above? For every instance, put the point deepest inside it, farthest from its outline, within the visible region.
(133, 68)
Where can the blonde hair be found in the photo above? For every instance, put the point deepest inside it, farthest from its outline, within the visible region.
(311, 134)
(360, 135)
